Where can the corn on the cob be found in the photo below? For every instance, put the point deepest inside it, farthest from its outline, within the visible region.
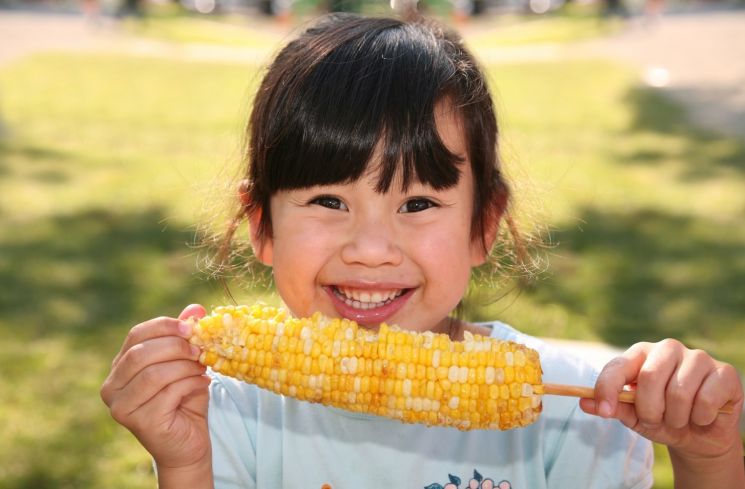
(478, 383)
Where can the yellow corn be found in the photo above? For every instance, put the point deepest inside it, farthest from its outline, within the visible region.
(478, 383)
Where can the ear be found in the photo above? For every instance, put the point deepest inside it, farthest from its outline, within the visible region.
(482, 244)
(261, 244)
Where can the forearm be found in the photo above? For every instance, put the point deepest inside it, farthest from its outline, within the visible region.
(725, 472)
(198, 476)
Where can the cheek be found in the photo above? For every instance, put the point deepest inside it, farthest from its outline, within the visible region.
(448, 261)
(302, 240)
(299, 257)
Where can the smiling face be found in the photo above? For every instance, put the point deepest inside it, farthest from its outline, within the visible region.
(349, 250)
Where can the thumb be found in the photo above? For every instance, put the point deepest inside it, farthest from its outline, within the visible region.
(193, 311)
(617, 373)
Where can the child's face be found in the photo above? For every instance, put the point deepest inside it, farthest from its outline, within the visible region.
(399, 257)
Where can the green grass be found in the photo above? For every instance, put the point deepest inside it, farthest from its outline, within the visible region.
(646, 212)
(227, 31)
(563, 26)
(168, 23)
(103, 167)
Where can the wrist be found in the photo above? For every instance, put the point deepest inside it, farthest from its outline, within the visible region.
(727, 468)
(197, 475)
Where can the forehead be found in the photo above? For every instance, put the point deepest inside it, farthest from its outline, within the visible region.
(449, 127)
(449, 123)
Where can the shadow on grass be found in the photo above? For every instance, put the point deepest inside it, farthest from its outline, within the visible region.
(703, 154)
(647, 275)
(71, 286)
(655, 112)
(75, 275)
(48, 165)
(64, 459)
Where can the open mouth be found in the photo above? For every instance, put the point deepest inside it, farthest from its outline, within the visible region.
(365, 299)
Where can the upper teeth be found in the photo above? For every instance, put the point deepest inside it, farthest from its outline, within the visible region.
(369, 297)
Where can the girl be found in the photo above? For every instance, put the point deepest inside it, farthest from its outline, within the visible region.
(373, 188)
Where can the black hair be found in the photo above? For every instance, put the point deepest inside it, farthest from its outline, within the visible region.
(351, 86)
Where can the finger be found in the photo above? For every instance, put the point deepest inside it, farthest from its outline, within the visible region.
(193, 311)
(590, 406)
(624, 412)
(617, 373)
(683, 386)
(154, 328)
(150, 352)
(162, 326)
(147, 384)
(150, 381)
(662, 361)
(171, 397)
(720, 386)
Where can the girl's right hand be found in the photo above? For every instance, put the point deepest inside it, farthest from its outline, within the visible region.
(158, 391)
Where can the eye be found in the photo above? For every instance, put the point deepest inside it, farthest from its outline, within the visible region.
(417, 204)
(329, 202)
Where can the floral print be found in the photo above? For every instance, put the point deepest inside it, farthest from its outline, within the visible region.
(477, 482)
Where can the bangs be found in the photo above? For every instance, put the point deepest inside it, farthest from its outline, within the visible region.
(371, 97)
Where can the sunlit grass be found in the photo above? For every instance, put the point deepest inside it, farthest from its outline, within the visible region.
(663, 476)
(103, 171)
(234, 30)
(104, 165)
(228, 30)
(559, 27)
(646, 212)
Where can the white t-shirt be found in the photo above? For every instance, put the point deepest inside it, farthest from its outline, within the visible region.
(263, 440)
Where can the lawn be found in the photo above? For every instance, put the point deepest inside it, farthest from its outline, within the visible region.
(571, 24)
(168, 22)
(225, 30)
(109, 164)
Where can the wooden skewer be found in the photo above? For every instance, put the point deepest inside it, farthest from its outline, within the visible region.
(623, 396)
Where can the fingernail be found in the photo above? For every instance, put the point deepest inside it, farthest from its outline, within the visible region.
(184, 328)
(605, 410)
(195, 351)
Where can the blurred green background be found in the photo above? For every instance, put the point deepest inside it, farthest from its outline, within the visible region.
(110, 162)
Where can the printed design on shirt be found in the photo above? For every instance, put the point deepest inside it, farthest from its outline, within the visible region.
(478, 481)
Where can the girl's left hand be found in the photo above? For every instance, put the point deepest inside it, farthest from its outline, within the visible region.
(678, 395)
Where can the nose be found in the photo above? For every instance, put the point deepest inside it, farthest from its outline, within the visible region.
(372, 243)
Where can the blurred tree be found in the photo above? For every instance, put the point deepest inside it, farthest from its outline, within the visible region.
(614, 8)
(265, 7)
(130, 8)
